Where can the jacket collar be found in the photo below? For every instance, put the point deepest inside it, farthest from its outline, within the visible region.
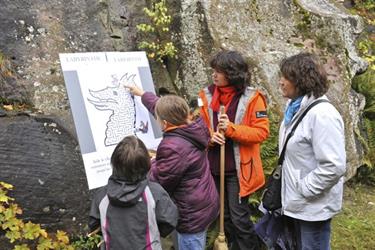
(306, 101)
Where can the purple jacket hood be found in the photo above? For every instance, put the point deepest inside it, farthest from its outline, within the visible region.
(196, 133)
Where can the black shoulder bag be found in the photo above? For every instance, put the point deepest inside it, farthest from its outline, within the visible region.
(271, 197)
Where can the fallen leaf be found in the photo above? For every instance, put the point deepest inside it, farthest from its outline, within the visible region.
(8, 107)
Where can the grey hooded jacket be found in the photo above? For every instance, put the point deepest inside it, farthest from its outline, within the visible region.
(314, 164)
(132, 216)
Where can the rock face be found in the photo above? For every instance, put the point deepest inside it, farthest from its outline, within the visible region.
(43, 163)
(267, 31)
(34, 32)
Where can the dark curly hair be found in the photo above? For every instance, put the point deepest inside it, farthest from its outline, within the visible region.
(306, 73)
(130, 160)
(233, 65)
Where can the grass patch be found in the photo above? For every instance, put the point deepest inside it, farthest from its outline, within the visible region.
(354, 227)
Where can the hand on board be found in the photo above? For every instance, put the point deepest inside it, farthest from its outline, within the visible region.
(134, 90)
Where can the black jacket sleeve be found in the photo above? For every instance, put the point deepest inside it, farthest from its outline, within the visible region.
(94, 217)
(166, 214)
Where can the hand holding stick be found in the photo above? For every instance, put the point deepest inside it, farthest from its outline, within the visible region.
(223, 121)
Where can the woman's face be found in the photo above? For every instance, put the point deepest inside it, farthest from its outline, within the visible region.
(288, 89)
(219, 79)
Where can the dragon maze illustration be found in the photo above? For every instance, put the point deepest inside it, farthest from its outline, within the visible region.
(117, 99)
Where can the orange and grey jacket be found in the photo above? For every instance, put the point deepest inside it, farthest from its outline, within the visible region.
(250, 128)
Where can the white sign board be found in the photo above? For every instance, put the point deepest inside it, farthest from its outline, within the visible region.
(104, 112)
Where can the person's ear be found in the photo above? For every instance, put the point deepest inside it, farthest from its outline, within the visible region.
(165, 124)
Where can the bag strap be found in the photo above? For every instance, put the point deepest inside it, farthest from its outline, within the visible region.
(282, 155)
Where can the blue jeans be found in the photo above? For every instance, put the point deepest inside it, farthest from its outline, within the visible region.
(312, 235)
(196, 241)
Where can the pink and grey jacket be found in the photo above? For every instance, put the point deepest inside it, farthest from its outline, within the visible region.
(132, 216)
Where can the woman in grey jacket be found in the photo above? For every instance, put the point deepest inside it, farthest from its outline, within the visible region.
(315, 159)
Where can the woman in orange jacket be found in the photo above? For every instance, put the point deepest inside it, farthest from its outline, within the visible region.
(242, 128)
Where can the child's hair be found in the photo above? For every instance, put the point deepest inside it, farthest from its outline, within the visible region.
(173, 109)
(130, 160)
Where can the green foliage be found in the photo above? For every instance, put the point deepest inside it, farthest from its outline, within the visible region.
(365, 84)
(370, 128)
(354, 227)
(366, 4)
(365, 8)
(87, 242)
(21, 234)
(366, 48)
(269, 148)
(157, 44)
(366, 173)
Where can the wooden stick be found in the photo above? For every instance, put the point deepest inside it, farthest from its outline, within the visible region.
(93, 232)
(222, 172)
(100, 243)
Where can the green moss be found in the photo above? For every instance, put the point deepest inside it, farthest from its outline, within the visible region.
(370, 154)
(299, 45)
(365, 84)
(6, 70)
(269, 148)
(1, 58)
(310, 26)
(304, 20)
(255, 10)
(269, 155)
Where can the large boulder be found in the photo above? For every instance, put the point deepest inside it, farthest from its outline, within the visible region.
(43, 163)
(267, 31)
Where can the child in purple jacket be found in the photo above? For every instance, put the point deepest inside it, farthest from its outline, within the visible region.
(181, 167)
